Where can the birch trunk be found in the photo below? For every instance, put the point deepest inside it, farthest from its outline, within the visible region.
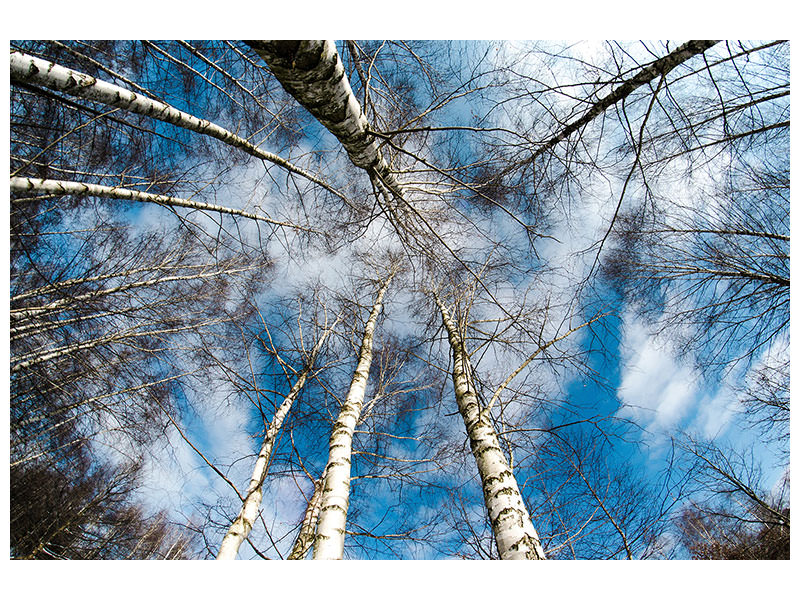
(662, 66)
(511, 524)
(33, 70)
(305, 539)
(329, 541)
(58, 187)
(312, 72)
(243, 523)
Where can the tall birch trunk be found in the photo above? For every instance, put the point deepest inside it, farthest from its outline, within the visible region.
(305, 539)
(243, 523)
(312, 72)
(329, 541)
(511, 524)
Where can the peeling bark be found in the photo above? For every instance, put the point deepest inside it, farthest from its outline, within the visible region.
(511, 524)
(329, 540)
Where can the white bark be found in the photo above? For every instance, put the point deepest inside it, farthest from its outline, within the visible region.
(329, 541)
(18, 314)
(57, 285)
(58, 187)
(659, 67)
(243, 523)
(39, 326)
(511, 524)
(305, 539)
(47, 354)
(313, 73)
(34, 70)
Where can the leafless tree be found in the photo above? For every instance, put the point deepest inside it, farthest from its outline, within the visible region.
(186, 222)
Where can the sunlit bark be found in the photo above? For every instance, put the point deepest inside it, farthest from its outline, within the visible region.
(243, 523)
(313, 73)
(34, 70)
(513, 530)
(329, 541)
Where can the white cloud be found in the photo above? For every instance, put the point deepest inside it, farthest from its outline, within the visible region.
(656, 390)
(662, 392)
(715, 413)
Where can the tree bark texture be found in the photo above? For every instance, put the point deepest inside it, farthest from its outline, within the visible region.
(243, 523)
(329, 540)
(312, 72)
(36, 71)
(511, 524)
(305, 539)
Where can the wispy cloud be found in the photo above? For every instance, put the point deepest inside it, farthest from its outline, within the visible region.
(663, 392)
(655, 390)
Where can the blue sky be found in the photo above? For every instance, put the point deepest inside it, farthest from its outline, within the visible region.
(640, 377)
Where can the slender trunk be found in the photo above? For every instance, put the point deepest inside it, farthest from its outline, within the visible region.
(312, 72)
(34, 70)
(513, 531)
(57, 285)
(329, 541)
(59, 187)
(659, 67)
(305, 539)
(65, 303)
(49, 354)
(243, 523)
(37, 327)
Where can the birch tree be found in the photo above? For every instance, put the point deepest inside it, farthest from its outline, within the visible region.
(241, 526)
(305, 538)
(329, 539)
(513, 530)
(171, 199)
(32, 70)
